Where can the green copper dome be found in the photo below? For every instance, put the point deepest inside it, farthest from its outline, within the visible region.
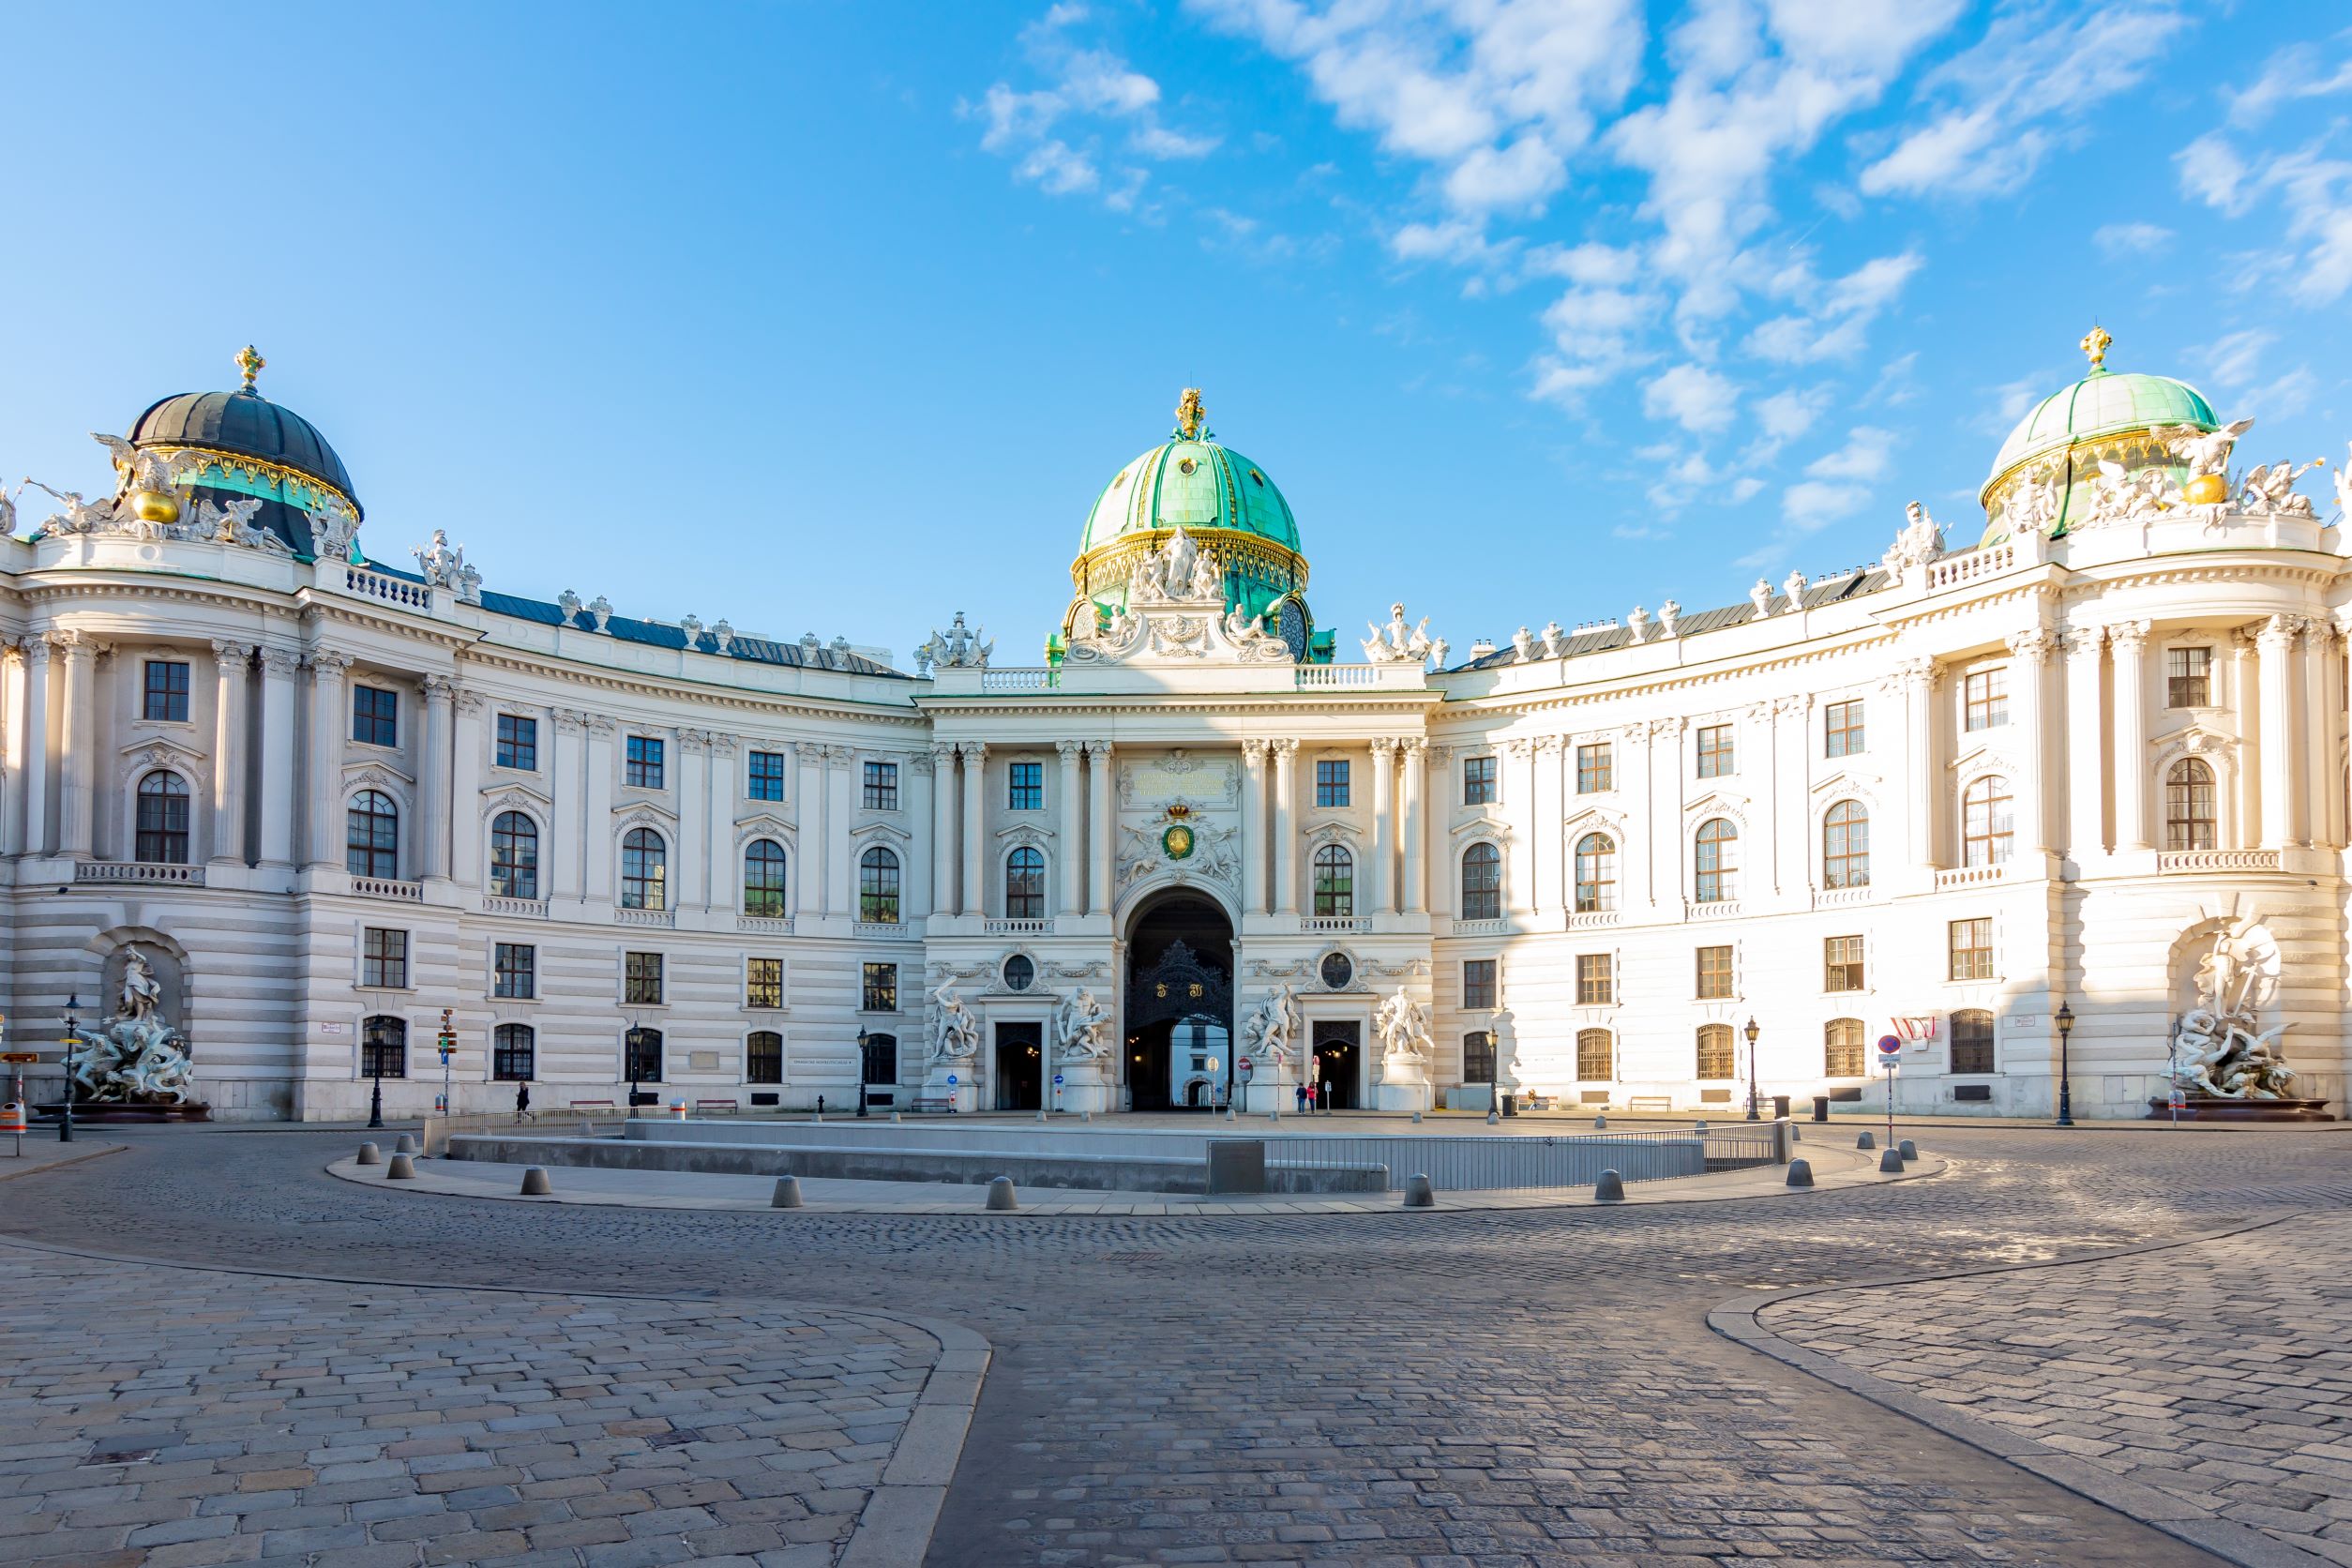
(1190, 483)
(2103, 403)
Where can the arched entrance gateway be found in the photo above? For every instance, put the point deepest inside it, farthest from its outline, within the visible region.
(1180, 1005)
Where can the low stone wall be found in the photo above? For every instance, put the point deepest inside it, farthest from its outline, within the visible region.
(1102, 1172)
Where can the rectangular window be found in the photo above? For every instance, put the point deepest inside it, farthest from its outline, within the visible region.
(640, 979)
(645, 763)
(763, 983)
(880, 991)
(2188, 677)
(1985, 699)
(1842, 1052)
(514, 969)
(384, 958)
(1478, 781)
(764, 1057)
(1841, 728)
(641, 1059)
(881, 787)
(1972, 1041)
(1331, 783)
(1717, 1057)
(518, 742)
(1595, 980)
(514, 1047)
(1595, 768)
(1715, 974)
(881, 1056)
(167, 691)
(1842, 964)
(1478, 984)
(768, 776)
(1714, 751)
(1973, 949)
(375, 716)
(1028, 787)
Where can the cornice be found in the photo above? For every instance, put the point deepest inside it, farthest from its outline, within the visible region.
(484, 656)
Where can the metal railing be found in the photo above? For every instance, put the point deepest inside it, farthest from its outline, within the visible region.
(1506, 1162)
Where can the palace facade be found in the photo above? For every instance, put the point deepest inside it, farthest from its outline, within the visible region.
(2041, 767)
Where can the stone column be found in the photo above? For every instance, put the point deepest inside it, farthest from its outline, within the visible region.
(941, 772)
(1066, 851)
(34, 767)
(1102, 875)
(919, 892)
(1253, 827)
(2282, 759)
(975, 886)
(231, 663)
(1919, 677)
(692, 889)
(839, 857)
(718, 830)
(281, 669)
(600, 851)
(1415, 753)
(808, 820)
(2085, 738)
(12, 684)
(2319, 741)
(1380, 894)
(433, 768)
(568, 783)
(1285, 834)
(1549, 893)
(2127, 641)
(77, 748)
(328, 709)
(467, 754)
(2029, 658)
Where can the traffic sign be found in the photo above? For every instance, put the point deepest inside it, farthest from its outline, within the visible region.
(1889, 1046)
(1056, 1081)
(21, 1057)
(1245, 1068)
(951, 1081)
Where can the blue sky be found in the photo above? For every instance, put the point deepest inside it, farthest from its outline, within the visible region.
(837, 317)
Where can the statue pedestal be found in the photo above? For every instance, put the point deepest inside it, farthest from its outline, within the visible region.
(2213, 1108)
(1411, 1095)
(938, 1095)
(1260, 1097)
(96, 1113)
(1084, 1088)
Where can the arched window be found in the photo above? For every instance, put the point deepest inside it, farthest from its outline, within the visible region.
(2189, 812)
(371, 835)
(163, 819)
(1846, 845)
(1597, 873)
(644, 871)
(764, 1057)
(640, 1056)
(879, 1054)
(763, 879)
(1478, 1057)
(1334, 884)
(1593, 1055)
(1972, 1041)
(1987, 828)
(383, 1046)
(514, 1053)
(1482, 882)
(1025, 885)
(1717, 1057)
(1842, 1049)
(514, 870)
(1718, 862)
(877, 887)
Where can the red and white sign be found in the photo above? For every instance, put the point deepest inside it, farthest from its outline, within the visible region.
(1244, 1067)
(1889, 1048)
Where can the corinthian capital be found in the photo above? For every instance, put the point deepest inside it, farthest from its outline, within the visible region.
(2128, 637)
(2031, 646)
(231, 653)
(282, 662)
(330, 661)
(2084, 641)
(440, 689)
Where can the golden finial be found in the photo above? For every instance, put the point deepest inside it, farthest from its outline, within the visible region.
(1190, 414)
(2095, 343)
(250, 363)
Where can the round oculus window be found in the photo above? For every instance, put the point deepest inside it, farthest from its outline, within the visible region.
(1018, 972)
(1338, 970)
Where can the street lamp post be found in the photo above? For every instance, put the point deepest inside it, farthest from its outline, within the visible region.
(1494, 1080)
(2066, 1080)
(1752, 1031)
(862, 1037)
(375, 1079)
(632, 1048)
(73, 1038)
(446, 1043)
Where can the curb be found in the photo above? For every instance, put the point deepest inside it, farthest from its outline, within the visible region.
(892, 1529)
(1737, 1321)
(98, 1153)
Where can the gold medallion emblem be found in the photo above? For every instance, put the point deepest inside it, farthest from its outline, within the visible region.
(1176, 841)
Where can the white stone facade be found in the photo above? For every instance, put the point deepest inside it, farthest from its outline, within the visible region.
(2020, 755)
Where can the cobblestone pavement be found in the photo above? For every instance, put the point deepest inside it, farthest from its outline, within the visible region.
(1508, 1388)
(2218, 1372)
(169, 1417)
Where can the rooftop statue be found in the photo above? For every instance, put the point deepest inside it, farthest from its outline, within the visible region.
(1919, 543)
(1397, 643)
(2204, 451)
(2270, 490)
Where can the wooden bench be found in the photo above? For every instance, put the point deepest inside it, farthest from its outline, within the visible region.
(711, 1107)
(1650, 1102)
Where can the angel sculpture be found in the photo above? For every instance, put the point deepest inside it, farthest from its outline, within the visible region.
(2270, 490)
(80, 516)
(2204, 451)
(332, 530)
(144, 470)
(2033, 505)
(229, 522)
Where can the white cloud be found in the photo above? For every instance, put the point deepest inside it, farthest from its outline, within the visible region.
(1056, 169)
(1838, 324)
(1458, 240)
(1810, 505)
(1867, 455)
(1591, 264)
(2291, 74)
(1691, 396)
(1031, 127)
(2232, 360)
(2118, 240)
(1153, 141)
(1515, 178)
(1785, 415)
(2311, 193)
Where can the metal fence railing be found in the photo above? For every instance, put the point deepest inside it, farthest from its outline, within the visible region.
(1492, 1163)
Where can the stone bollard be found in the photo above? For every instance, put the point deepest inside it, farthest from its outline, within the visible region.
(403, 1169)
(535, 1182)
(1801, 1173)
(1699, 1127)
(587, 1128)
(1600, 1122)
(1796, 1134)
(787, 1193)
(1891, 1162)
(1419, 1194)
(406, 1146)
(368, 1155)
(1416, 1118)
(1002, 1197)
(1867, 1141)
(1610, 1189)
(1908, 1149)
(894, 1116)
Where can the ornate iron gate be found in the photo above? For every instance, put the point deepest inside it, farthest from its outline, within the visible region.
(1180, 986)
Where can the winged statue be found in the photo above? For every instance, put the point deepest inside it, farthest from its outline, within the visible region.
(2204, 451)
(160, 471)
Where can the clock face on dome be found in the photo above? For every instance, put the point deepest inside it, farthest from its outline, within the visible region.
(1291, 625)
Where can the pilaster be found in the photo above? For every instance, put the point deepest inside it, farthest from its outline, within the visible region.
(232, 668)
(281, 672)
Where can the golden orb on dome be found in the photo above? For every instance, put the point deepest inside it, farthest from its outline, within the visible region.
(153, 506)
(2206, 490)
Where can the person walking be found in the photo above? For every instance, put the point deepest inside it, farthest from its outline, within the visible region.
(1302, 1099)
(522, 1103)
